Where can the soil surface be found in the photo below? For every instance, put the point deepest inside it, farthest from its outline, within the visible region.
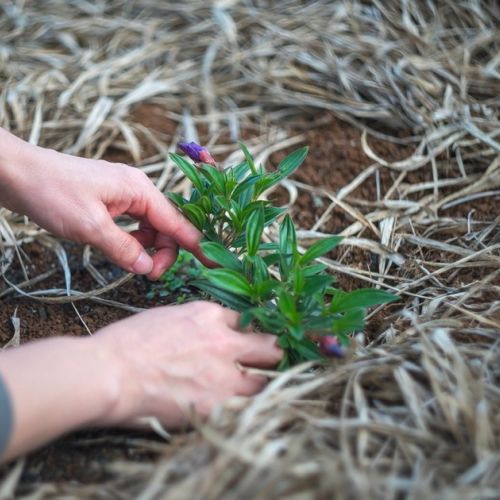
(335, 159)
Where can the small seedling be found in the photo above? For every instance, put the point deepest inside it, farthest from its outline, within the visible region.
(277, 288)
(177, 280)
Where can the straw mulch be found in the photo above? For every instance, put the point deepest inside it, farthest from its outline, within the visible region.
(412, 413)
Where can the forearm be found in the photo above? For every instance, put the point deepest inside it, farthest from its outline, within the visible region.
(14, 167)
(56, 386)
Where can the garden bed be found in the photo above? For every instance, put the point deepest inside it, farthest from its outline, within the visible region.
(398, 103)
(336, 158)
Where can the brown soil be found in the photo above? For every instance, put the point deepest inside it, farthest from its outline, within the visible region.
(335, 159)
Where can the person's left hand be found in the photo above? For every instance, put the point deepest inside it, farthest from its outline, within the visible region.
(77, 199)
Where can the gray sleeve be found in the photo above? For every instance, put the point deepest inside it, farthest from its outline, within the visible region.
(6, 416)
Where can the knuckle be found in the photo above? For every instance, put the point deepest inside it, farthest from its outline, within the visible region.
(91, 227)
(210, 309)
(137, 176)
(125, 248)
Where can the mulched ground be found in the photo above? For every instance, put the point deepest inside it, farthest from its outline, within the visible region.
(335, 159)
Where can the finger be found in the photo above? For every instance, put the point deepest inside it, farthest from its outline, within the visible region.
(122, 248)
(162, 260)
(249, 385)
(145, 236)
(259, 350)
(231, 318)
(166, 248)
(163, 216)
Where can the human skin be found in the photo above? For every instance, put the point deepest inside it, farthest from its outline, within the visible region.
(77, 199)
(162, 363)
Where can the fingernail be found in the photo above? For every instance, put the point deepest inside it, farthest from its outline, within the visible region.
(143, 264)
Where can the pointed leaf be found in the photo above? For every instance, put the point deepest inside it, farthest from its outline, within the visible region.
(195, 214)
(248, 158)
(245, 185)
(288, 238)
(189, 171)
(239, 170)
(271, 214)
(177, 199)
(361, 298)
(221, 255)
(230, 280)
(308, 350)
(314, 284)
(351, 321)
(254, 228)
(285, 168)
(320, 248)
(286, 305)
(296, 331)
(229, 299)
(215, 178)
(314, 269)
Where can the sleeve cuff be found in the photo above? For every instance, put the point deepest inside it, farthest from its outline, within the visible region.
(6, 416)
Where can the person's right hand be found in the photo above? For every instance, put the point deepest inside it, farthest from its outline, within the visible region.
(173, 359)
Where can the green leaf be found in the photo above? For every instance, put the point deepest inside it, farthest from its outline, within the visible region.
(291, 163)
(298, 280)
(216, 179)
(189, 171)
(239, 170)
(248, 158)
(315, 284)
(283, 341)
(288, 237)
(205, 204)
(223, 203)
(320, 248)
(221, 255)
(245, 185)
(318, 323)
(265, 289)
(308, 350)
(259, 268)
(286, 305)
(235, 302)
(230, 280)
(361, 298)
(284, 364)
(296, 331)
(246, 318)
(254, 228)
(177, 199)
(270, 320)
(269, 246)
(271, 259)
(351, 321)
(195, 214)
(314, 269)
(272, 213)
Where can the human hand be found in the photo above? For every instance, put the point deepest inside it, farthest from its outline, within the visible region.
(172, 359)
(77, 199)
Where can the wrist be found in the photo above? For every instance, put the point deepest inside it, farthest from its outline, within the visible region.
(106, 381)
(14, 162)
(73, 380)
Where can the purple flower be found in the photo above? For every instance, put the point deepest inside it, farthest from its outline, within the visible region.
(330, 346)
(197, 153)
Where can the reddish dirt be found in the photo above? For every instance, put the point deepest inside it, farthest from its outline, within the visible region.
(335, 159)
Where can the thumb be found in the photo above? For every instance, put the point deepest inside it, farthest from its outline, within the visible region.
(123, 249)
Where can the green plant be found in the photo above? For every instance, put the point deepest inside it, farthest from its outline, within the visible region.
(177, 280)
(276, 287)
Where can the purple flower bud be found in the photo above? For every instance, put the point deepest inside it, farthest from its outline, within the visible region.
(330, 346)
(197, 153)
